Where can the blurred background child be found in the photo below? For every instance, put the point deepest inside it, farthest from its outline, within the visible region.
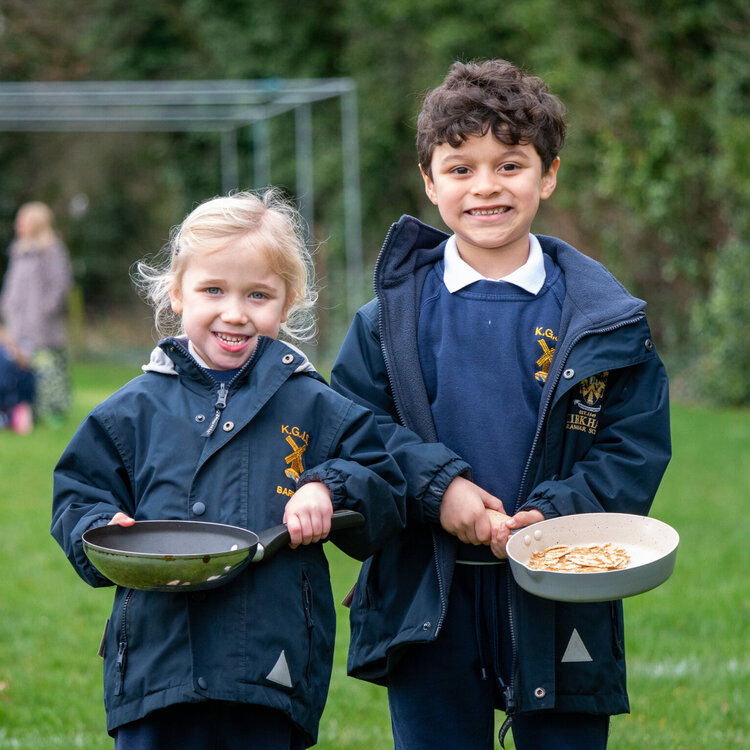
(33, 305)
(16, 387)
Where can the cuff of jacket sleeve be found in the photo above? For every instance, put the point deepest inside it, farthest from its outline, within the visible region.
(541, 501)
(331, 479)
(436, 487)
(92, 575)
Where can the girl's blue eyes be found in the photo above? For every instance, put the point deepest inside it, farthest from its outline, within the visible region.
(215, 290)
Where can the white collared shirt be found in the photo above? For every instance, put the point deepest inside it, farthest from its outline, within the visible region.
(459, 274)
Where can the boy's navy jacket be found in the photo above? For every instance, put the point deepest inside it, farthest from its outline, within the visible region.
(267, 636)
(602, 444)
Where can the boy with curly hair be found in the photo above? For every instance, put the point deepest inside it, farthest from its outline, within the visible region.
(510, 373)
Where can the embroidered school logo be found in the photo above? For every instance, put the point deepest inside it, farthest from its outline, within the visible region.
(584, 414)
(297, 440)
(592, 389)
(548, 352)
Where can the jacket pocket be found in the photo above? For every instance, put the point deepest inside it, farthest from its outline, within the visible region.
(588, 652)
(366, 592)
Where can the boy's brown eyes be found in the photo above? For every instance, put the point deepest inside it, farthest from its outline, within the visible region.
(502, 168)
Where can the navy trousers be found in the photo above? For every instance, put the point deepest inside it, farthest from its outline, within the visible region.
(444, 694)
(211, 725)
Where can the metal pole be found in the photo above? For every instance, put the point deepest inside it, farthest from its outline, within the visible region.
(352, 201)
(304, 164)
(261, 154)
(230, 177)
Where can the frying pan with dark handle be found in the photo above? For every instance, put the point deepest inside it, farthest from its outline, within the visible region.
(186, 556)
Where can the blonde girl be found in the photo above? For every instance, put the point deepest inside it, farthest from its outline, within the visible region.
(227, 424)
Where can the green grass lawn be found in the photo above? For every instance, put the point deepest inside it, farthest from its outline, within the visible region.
(689, 670)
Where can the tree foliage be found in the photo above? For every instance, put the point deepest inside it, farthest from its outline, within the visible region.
(653, 180)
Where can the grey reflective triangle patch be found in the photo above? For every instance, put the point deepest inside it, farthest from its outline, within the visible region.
(280, 672)
(576, 650)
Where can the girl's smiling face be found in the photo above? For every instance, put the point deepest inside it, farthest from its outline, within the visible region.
(227, 297)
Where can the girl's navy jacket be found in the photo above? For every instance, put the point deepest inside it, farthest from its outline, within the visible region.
(602, 444)
(267, 636)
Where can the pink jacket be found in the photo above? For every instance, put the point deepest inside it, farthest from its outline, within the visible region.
(33, 301)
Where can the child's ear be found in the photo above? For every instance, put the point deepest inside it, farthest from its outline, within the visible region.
(429, 186)
(549, 179)
(175, 298)
(285, 311)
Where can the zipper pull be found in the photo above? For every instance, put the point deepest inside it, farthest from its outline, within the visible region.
(504, 730)
(120, 666)
(221, 402)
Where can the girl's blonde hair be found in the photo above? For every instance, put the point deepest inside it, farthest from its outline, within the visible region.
(41, 223)
(264, 221)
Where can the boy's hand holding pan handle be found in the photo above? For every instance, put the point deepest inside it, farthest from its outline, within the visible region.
(503, 525)
(497, 519)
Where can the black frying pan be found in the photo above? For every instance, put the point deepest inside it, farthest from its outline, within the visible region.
(178, 556)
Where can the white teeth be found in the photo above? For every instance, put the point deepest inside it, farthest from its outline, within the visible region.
(488, 211)
(230, 339)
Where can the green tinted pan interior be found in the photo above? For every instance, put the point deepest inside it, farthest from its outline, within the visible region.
(170, 556)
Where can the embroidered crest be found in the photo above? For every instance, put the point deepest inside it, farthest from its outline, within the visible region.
(544, 361)
(592, 389)
(584, 414)
(297, 440)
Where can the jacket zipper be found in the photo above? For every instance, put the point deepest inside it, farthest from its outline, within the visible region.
(441, 587)
(221, 402)
(308, 606)
(223, 394)
(510, 692)
(381, 326)
(122, 646)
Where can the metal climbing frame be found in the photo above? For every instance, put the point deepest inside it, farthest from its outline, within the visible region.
(222, 106)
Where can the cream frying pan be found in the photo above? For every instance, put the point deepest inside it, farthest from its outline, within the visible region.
(650, 543)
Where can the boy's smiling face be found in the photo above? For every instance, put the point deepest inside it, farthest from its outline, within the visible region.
(488, 194)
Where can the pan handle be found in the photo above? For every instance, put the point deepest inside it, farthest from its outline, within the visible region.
(272, 540)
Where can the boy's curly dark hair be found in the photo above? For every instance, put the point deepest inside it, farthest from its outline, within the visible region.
(495, 95)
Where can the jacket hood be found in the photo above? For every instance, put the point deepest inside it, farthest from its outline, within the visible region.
(409, 245)
(597, 296)
(162, 363)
